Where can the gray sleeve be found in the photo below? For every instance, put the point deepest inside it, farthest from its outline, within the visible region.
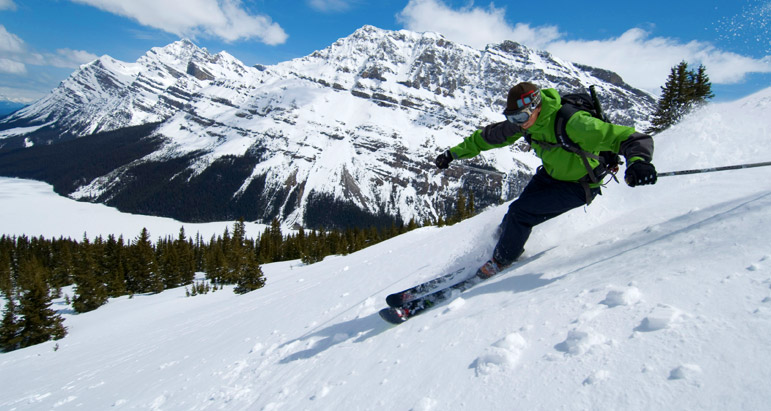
(498, 133)
(638, 145)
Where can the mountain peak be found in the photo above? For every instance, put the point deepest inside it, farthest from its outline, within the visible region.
(178, 53)
(368, 29)
(183, 44)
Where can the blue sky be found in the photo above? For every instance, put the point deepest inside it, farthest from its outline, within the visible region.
(43, 41)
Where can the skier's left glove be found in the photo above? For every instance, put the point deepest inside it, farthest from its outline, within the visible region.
(640, 172)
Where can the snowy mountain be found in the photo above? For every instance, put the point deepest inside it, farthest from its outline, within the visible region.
(657, 297)
(343, 136)
(108, 94)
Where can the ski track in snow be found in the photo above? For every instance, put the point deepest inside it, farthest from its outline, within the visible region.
(652, 298)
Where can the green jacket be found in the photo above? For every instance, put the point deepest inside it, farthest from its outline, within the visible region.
(591, 134)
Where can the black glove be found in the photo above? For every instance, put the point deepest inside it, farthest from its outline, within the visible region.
(611, 160)
(443, 160)
(640, 173)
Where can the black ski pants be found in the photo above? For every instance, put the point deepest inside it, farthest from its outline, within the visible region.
(542, 199)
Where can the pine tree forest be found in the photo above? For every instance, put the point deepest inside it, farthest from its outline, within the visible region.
(33, 270)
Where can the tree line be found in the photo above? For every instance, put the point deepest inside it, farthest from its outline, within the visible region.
(33, 270)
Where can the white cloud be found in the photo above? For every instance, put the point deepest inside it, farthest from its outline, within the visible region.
(67, 58)
(225, 19)
(15, 55)
(12, 67)
(645, 61)
(11, 53)
(9, 42)
(641, 60)
(473, 26)
(7, 5)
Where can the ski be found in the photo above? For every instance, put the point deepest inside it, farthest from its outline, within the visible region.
(398, 315)
(409, 303)
(402, 297)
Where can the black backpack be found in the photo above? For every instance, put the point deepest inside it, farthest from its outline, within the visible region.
(571, 104)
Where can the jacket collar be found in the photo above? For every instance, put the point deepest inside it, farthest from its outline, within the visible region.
(550, 104)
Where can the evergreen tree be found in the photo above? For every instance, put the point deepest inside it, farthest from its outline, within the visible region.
(360, 239)
(39, 322)
(216, 264)
(309, 251)
(683, 90)
(64, 265)
(10, 329)
(199, 254)
(671, 104)
(187, 259)
(250, 279)
(6, 281)
(265, 247)
(243, 262)
(169, 264)
(239, 257)
(143, 275)
(113, 266)
(91, 293)
(21, 252)
(701, 87)
(276, 240)
(225, 242)
(461, 212)
(292, 247)
(339, 242)
(301, 240)
(327, 243)
(374, 235)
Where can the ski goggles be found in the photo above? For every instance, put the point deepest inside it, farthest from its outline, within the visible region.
(526, 105)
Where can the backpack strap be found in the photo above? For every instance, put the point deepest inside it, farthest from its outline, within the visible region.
(563, 140)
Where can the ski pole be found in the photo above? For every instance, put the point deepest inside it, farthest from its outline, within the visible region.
(711, 169)
(597, 105)
(482, 170)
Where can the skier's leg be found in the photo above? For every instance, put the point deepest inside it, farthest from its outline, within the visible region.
(543, 198)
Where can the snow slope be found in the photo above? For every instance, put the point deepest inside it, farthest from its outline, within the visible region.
(653, 298)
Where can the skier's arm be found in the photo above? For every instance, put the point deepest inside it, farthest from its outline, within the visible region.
(596, 135)
(638, 150)
(493, 136)
(500, 133)
(637, 146)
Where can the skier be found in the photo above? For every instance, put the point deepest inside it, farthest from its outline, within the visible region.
(567, 179)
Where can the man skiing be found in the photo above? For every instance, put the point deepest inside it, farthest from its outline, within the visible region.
(568, 178)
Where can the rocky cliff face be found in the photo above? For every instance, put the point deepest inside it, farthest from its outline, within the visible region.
(346, 135)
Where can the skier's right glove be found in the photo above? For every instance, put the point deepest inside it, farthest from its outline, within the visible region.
(443, 160)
